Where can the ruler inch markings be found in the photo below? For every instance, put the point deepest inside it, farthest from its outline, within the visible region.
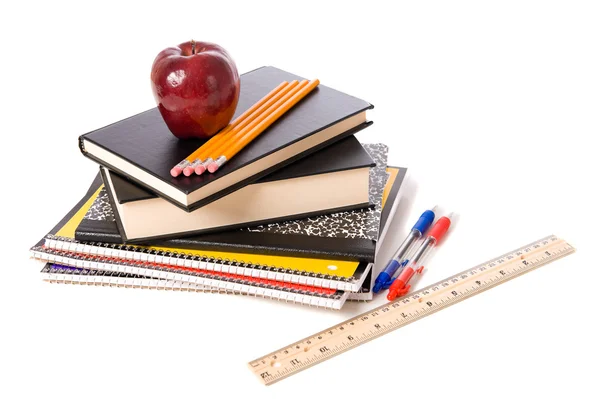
(406, 310)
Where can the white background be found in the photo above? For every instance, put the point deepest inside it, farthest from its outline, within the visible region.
(493, 107)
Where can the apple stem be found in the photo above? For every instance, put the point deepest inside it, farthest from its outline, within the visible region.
(193, 47)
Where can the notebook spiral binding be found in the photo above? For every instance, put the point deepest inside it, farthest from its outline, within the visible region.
(200, 281)
(183, 259)
(62, 274)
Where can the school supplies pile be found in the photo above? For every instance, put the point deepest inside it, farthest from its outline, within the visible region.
(283, 203)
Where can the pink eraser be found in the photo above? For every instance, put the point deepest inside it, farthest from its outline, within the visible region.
(176, 171)
(212, 168)
(200, 169)
(188, 170)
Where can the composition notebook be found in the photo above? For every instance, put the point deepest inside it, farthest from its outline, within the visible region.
(349, 235)
(143, 149)
(333, 179)
(59, 246)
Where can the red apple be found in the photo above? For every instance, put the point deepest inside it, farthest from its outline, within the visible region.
(196, 86)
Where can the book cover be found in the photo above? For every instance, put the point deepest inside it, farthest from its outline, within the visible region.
(143, 149)
(332, 180)
(350, 235)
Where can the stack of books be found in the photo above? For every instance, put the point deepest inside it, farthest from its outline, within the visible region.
(297, 215)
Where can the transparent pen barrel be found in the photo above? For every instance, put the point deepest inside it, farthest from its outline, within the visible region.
(407, 245)
(424, 250)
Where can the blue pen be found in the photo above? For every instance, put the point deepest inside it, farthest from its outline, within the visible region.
(385, 277)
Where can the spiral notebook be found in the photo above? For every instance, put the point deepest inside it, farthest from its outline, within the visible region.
(294, 293)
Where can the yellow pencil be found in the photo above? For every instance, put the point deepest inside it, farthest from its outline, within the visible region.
(205, 159)
(199, 154)
(197, 157)
(218, 150)
(248, 134)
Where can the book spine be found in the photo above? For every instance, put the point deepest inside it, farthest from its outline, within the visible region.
(162, 259)
(331, 301)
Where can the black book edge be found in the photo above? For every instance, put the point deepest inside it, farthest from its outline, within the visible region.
(234, 187)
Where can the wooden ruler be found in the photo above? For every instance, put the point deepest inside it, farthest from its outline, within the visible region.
(393, 315)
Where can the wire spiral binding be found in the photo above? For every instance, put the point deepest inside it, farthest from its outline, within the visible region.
(107, 278)
(183, 258)
(251, 286)
(206, 290)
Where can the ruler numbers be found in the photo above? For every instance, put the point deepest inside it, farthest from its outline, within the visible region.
(407, 309)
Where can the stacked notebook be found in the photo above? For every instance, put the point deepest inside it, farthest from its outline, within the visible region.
(297, 215)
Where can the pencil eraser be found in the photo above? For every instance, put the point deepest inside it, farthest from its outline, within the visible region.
(176, 171)
(200, 169)
(212, 168)
(188, 171)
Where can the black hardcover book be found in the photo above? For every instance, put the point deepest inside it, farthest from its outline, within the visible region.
(143, 149)
(349, 235)
(333, 179)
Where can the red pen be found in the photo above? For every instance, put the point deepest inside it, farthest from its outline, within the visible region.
(401, 286)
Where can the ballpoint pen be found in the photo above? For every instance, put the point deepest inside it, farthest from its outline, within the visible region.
(401, 286)
(385, 277)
